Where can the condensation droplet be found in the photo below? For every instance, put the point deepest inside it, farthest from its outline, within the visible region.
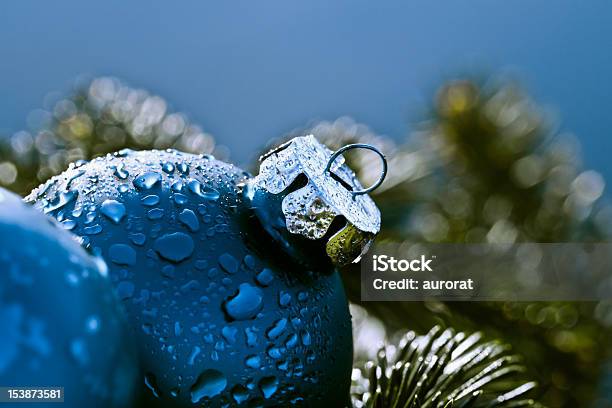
(240, 393)
(228, 263)
(209, 383)
(277, 329)
(174, 247)
(150, 200)
(268, 386)
(189, 218)
(113, 210)
(151, 383)
(246, 303)
(120, 171)
(168, 167)
(206, 193)
(252, 361)
(265, 277)
(146, 181)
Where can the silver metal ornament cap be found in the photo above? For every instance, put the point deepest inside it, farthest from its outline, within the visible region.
(332, 190)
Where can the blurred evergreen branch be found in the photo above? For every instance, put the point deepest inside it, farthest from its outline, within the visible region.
(485, 165)
(98, 117)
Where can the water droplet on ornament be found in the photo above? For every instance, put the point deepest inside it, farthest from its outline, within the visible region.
(68, 224)
(177, 186)
(283, 365)
(146, 181)
(251, 337)
(120, 172)
(268, 386)
(212, 272)
(208, 384)
(253, 361)
(246, 303)
(189, 218)
(62, 199)
(277, 329)
(122, 254)
(240, 393)
(284, 298)
(151, 383)
(180, 199)
(155, 214)
(189, 286)
(249, 261)
(291, 341)
(178, 329)
(92, 230)
(90, 217)
(194, 354)
(183, 168)
(206, 193)
(113, 210)
(306, 340)
(228, 263)
(125, 290)
(275, 352)
(168, 271)
(138, 238)
(174, 247)
(150, 200)
(168, 167)
(265, 277)
(229, 334)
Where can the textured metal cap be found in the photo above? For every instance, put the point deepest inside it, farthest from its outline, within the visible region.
(332, 190)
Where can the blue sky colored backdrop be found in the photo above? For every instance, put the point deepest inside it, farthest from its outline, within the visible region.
(251, 70)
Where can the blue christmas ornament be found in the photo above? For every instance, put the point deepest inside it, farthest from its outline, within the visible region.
(60, 322)
(229, 281)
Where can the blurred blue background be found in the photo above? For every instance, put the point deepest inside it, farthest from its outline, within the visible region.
(251, 70)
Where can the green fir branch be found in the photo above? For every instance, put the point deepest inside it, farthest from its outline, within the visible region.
(442, 369)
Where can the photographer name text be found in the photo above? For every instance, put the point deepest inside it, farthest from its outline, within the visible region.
(386, 264)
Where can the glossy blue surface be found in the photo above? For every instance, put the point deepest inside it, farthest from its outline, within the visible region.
(220, 313)
(60, 323)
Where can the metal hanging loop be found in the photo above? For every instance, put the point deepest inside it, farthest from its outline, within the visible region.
(343, 149)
